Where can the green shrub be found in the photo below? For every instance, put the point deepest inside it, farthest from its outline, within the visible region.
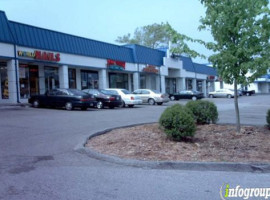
(177, 122)
(204, 112)
(268, 118)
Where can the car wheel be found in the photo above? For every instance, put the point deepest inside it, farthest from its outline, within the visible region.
(211, 96)
(99, 105)
(68, 106)
(160, 103)
(151, 102)
(194, 98)
(123, 104)
(130, 106)
(229, 96)
(35, 104)
(172, 98)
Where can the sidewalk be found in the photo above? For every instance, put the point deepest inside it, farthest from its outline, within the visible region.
(13, 105)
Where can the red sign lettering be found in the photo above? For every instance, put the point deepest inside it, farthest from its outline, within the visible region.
(47, 56)
(150, 69)
(116, 63)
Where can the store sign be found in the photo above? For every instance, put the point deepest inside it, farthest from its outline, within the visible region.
(150, 69)
(116, 65)
(210, 77)
(40, 55)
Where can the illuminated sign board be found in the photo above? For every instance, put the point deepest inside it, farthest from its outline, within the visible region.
(116, 65)
(150, 69)
(40, 55)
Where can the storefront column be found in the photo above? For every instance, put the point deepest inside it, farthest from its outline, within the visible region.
(11, 73)
(178, 85)
(163, 86)
(78, 79)
(136, 80)
(182, 83)
(41, 74)
(63, 76)
(102, 78)
(194, 84)
(204, 88)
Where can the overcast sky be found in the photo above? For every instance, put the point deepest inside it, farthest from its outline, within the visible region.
(105, 20)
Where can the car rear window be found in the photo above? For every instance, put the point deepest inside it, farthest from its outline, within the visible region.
(126, 91)
(77, 92)
(109, 92)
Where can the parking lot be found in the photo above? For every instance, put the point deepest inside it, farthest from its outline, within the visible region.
(38, 160)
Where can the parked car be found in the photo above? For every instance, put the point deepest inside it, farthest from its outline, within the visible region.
(152, 96)
(105, 98)
(248, 92)
(222, 93)
(68, 98)
(187, 94)
(128, 98)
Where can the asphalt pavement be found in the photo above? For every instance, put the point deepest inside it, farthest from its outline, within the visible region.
(38, 160)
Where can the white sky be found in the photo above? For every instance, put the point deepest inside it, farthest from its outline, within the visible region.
(105, 20)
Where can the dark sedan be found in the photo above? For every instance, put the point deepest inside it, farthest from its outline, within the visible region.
(105, 98)
(187, 94)
(68, 98)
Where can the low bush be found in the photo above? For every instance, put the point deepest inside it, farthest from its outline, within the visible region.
(177, 122)
(268, 118)
(204, 112)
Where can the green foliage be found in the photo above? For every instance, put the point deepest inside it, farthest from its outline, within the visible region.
(204, 112)
(268, 118)
(241, 30)
(159, 35)
(152, 36)
(177, 122)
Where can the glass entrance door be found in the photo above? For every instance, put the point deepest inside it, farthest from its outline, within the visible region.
(51, 78)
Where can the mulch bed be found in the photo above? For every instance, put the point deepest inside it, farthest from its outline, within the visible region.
(219, 143)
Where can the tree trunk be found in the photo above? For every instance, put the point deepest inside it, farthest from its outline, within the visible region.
(238, 126)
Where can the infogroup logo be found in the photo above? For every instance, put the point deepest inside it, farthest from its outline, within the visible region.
(226, 192)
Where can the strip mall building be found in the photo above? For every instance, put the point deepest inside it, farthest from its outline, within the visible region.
(33, 60)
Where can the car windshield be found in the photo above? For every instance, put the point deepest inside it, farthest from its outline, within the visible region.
(76, 92)
(126, 91)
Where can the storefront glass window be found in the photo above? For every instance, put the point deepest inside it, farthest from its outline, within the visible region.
(72, 78)
(189, 84)
(51, 78)
(29, 81)
(153, 82)
(89, 80)
(118, 80)
(142, 81)
(199, 86)
(4, 80)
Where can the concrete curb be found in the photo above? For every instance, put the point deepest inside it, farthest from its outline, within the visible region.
(195, 166)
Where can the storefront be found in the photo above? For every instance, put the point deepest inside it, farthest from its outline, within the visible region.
(4, 80)
(72, 78)
(149, 78)
(89, 79)
(29, 80)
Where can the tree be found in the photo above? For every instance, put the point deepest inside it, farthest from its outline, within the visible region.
(152, 36)
(241, 32)
(159, 35)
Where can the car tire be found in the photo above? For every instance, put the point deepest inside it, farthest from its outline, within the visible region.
(123, 104)
(211, 96)
(172, 98)
(151, 102)
(194, 98)
(69, 106)
(130, 106)
(160, 103)
(35, 103)
(229, 96)
(99, 105)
